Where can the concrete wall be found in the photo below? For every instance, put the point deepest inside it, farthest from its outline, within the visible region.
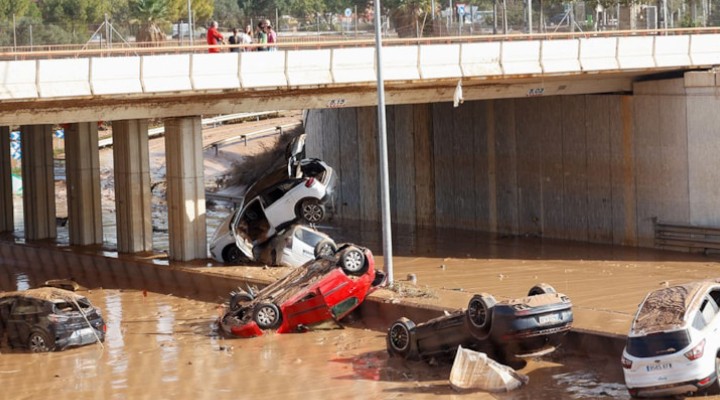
(596, 168)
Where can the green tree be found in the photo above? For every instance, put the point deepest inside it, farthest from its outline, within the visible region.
(75, 16)
(228, 14)
(409, 16)
(202, 11)
(150, 14)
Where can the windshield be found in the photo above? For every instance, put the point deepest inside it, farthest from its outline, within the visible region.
(658, 344)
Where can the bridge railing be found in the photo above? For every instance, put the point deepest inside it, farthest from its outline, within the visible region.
(430, 59)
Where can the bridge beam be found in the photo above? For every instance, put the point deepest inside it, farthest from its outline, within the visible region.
(6, 194)
(185, 189)
(131, 160)
(38, 182)
(82, 166)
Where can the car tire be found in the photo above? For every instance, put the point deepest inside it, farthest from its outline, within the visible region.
(40, 342)
(311, 211)
(352, 261)
(479, 312)
(714, 389)
(400, 338)
(267, 316)
(237, 297)
(541, 288)
(231, 254)
(325, 248)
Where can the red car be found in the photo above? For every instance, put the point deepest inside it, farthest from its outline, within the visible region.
(326, 288)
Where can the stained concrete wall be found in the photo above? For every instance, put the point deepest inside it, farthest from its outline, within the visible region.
(596, 168)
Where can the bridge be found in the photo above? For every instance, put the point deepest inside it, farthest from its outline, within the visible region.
(629, 79)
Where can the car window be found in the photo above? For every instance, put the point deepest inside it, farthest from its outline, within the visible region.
(279, 190)
(308, 236)
(26, 306)
(656, 344)
(708, 309)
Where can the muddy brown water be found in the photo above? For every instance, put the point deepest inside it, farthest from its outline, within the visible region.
(160, 346)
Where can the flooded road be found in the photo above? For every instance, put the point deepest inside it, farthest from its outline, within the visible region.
(160, 346)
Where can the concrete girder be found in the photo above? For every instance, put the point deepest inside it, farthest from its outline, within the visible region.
(38, 182)
(185, 189)
(82, 164)
(131, 160)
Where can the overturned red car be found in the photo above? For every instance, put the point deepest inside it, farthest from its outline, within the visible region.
(326, 288)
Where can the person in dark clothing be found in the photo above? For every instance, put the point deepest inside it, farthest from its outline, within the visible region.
(234, 40)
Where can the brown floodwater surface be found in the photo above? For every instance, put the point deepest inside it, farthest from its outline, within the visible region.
(165, 347)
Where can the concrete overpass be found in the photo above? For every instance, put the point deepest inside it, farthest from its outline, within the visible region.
(35, 93)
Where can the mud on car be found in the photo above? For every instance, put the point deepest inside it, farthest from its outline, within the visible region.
(507, 330)
(673, 347)
(48, 319)
(324, 289)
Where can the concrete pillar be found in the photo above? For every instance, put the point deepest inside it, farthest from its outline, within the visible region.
(131, 160)
(82, 167)
(6, 196)
(185, 188)
(38, 182)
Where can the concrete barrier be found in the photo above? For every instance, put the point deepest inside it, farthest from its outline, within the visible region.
(353, 65)
(262, 69)
(521, 57)
(440, 61)
(308, 67)
(17, 80)
(64, 78)
(636, 52)
(400, 63)
(705, 49)
(480, 59)
(558, 56)
(115, 75)
(215, 71)
(598, 54)
(166, 73)
(671, 51)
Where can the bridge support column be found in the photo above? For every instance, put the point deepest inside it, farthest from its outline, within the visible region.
(6, 194)
(82, 165)
(185, 189)
(38, 182)
(131, 160)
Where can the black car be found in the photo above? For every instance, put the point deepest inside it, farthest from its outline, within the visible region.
(48, 318)
(528, 326)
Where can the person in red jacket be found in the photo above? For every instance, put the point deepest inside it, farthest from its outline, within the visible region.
(214, 38)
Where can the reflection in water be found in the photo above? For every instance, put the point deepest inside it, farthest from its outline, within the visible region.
(114, 341)
(586, 385)
(164, 338)
(22, 282)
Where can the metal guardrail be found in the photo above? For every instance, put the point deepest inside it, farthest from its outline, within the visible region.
(687, 237)
(155, 132)
(278, 130)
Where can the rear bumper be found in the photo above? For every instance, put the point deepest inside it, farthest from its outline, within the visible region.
(673, 389)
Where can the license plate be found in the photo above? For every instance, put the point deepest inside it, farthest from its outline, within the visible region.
(658, 367)
(549, 319)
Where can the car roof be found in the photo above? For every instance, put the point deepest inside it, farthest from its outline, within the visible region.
(52, 294)
(668, 308)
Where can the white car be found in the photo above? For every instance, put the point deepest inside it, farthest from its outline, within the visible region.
(294, 246)
(222, 244)
(674, 342)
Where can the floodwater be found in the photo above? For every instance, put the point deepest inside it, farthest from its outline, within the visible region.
(160, 346)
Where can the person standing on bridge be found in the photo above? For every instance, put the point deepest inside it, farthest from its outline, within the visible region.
(271, 37)
(234, 40)
(247, 37)
(214, 38)
(261, 37)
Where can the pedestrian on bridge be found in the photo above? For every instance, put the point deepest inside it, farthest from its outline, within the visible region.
(214, 38)
(247, 37)
(271, 37)
(234, 40)
(261, 37)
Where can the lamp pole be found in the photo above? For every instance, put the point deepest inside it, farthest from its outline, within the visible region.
(383, 153)
(190, 23)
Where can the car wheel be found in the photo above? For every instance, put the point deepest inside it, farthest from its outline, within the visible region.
(312, 211)
(39, 342)
(479, 312)
(232, 254)
(541, 288)
(325, 248)
(399, 337)
(267, 315)
(352, 261)
(714, 389)
(239, 297)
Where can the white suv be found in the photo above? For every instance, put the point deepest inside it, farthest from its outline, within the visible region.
(674, 344)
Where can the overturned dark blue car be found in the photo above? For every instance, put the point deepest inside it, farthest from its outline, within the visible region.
(507, 331)
(49, 319)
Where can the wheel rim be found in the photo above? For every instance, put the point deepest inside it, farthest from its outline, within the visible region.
(477, 313)
(266, 316)
(312, 212)
(399, 337)
(37, 344)
(353, 261)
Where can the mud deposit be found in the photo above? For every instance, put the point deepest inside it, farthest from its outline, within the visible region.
(160, 346)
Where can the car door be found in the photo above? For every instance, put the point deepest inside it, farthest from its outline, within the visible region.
(713, 317)
(281, 201)
(24, 316)
(304, 244)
